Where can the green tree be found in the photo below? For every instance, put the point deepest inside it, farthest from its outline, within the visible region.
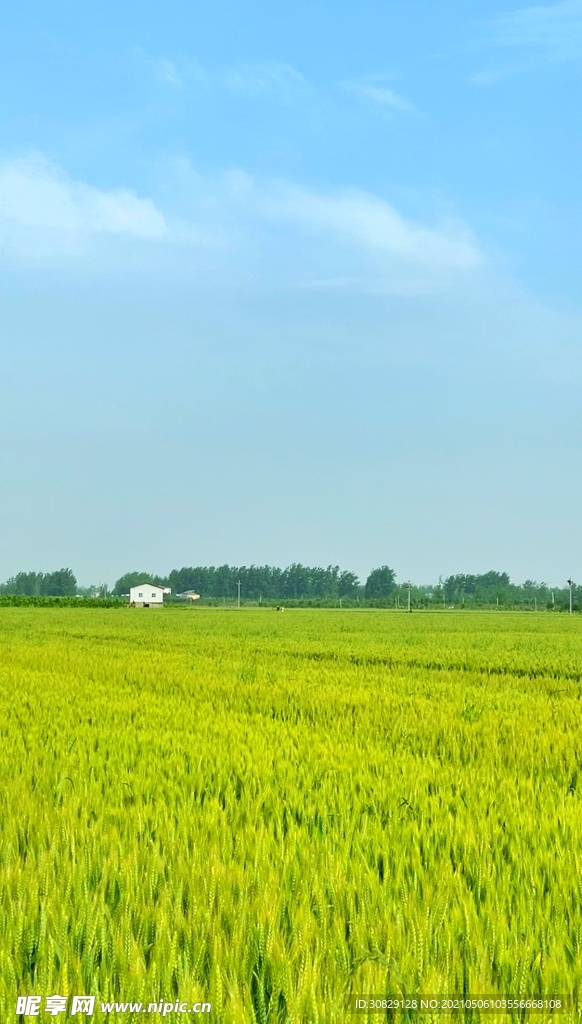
(61, 583)
(27, 584)
(348, 583)
(380, 584)
(264, 582)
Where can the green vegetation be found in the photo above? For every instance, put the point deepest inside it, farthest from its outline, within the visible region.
(299, 585)
(304, 586)
(61, 583)
(258, 582)
(271, 811)
(23, 601)
(380, 584)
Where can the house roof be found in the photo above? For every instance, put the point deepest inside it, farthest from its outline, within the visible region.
(152, 586)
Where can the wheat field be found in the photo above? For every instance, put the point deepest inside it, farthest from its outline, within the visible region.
(274, 812)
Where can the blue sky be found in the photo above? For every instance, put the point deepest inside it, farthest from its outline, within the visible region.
(291, 282)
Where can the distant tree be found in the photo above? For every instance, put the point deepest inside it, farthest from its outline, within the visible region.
(27, 584)
(485, 588)
(61, 583)
(186, 579)
(258, 582)
(348, 583)
(380, 584)
(224, 581)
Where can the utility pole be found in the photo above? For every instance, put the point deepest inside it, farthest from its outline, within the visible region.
(409, 585)
(571, 585)
(238, 598)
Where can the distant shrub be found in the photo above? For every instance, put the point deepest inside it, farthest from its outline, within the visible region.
(27, 601)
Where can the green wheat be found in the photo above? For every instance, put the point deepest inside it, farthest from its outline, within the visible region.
(272, 812)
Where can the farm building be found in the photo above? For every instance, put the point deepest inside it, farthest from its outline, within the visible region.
(148, 595)
(189, 595)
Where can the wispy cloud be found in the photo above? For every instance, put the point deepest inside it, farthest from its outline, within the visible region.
(497, 74)
(556, 28)
(376, 89)
(166, 71)
(274, 230)
(252, 79)
(245, 79)
(38, 200)
(546, 33)
(361, 219)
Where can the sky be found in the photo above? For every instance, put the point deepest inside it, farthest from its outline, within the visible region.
(291, 282)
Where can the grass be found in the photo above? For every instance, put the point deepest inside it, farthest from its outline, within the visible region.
(271, 812)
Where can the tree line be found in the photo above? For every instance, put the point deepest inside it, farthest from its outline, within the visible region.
(301, 584)
(257, 582)
(61, 583)
(496, 588)
(304, 584)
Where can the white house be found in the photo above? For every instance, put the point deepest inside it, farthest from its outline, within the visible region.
(148, 595)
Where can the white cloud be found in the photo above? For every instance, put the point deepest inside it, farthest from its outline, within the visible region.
(546, 33)
(167, 72)
(37, 198)
(246, 79)
(343, 236)
(493, 75)
(555, 27)
(230, 226)
(374, 88)
(253, 79)
(363, 220)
